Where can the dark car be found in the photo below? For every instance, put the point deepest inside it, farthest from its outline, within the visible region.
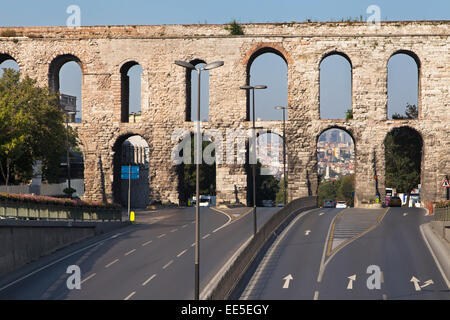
(329, 204)
(395, 202)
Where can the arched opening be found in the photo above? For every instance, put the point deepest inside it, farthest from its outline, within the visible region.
(403, 160)
(131, 78)
(267, 67)
(66, 77)
(187, 174)
(403, 86)
(335, 85)
(7, 62)
(192, 92)
(131, 150)
(335, 167)
(269, 170)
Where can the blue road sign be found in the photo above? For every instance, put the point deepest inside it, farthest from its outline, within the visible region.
(125, 173)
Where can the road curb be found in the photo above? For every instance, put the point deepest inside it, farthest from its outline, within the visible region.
(440, 250)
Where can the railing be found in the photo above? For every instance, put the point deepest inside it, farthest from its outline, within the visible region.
(33, 211)
(442, 214)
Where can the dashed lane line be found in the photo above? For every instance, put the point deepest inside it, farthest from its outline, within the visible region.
(130, 295)
(168, 264)
(111, 263)
(146, 243)
(89, 277)
(130, 252)
(148, 280)
(181, 253)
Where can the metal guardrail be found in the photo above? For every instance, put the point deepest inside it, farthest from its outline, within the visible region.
(33, 211)
(442, 214)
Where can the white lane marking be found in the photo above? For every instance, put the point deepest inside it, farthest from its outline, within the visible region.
(316, 295)
(405, 213)
(130, 295)
(161, 235)
(130, 252)
(87, 278)
(307, 232)
(184, 226)
(225, 224)
(248, 292)
(320, 214)
(61, 259)
(350, 282)
(181, 253)
(206, 236)
(111, 263)
(427, 283)
(193, 222)
(146, 243)
(287, 280)
(434, 257)
(174, 230)
(148, 280)
(168, 264)
(193, 245)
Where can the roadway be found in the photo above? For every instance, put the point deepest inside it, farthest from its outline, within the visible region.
(354, 254)
(150, 260)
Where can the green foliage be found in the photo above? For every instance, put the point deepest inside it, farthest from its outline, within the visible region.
(267, 186)
(207, 175)
(234, 28)
(339, 190)
(349, 114)
(280, 194)
(403, 154)
(31, 129)
(411, 112)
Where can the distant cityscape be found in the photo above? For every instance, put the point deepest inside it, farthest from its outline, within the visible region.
(335, 155)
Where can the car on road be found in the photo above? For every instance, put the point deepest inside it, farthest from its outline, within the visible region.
(281, 204)
(395, 202)
(341, 204)
(267, 203)
(329, 204)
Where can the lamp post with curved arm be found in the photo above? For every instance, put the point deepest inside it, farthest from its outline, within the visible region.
(190, 66)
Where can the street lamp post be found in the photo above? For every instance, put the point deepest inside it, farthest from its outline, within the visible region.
(252, 88)
(190, 66)
(284, 151)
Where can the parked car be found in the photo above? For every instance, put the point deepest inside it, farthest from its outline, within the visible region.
(395, 202)
(341, 204)
(329, 204)
(281, 204)
(267, 203)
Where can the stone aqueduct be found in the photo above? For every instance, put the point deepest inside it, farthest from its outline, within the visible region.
(102, 51)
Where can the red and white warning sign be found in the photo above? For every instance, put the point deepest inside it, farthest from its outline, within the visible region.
(445, 184)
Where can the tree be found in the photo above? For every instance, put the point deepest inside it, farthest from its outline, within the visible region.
(31, 129)
(403, 154)
(346, 189)
(411, 112)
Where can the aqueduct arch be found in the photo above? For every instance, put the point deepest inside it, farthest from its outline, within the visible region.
(103, 50)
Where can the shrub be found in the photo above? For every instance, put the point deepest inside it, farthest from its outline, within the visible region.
(234, 28)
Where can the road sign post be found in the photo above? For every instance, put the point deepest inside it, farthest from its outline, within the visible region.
(446, 184)
(129, 173)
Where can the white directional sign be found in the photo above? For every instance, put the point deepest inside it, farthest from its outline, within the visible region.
(287, 280)
(350, 283)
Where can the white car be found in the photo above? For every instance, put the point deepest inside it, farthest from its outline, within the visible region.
(341, 204)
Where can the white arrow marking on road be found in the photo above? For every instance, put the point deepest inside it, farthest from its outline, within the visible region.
(427, 283)
(416, 283)
(350, 283)
(405, 214)
(321, 213)
(287, 279)
(307, 232)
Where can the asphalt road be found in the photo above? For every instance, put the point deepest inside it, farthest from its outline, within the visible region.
(152, 259)
(354, 254)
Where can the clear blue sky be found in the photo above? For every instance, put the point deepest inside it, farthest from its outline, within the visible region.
(140, 12)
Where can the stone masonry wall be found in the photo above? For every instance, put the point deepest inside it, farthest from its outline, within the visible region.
(101, 51)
